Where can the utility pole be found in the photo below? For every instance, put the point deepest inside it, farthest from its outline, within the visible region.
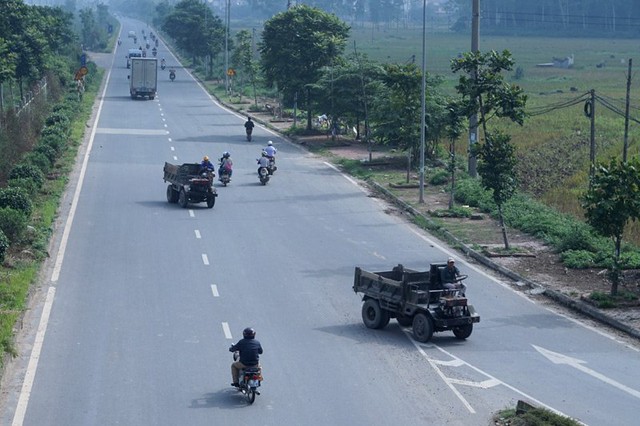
(423, 100)
(473, 120)
(626, 115)
(592, 150)
(226, 46)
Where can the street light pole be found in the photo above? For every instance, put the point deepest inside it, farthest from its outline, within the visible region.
(424, 91)
(226, 46)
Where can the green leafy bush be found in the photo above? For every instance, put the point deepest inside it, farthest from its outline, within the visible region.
(38, 160)
(55, 129)
(57, 117)
(12, 223)
(578, 259)
(55, 141)
(440, 177)
(27, 184)
(29, 171)
(48, 151)
(4, 246)
(17, 199)
(471, 192)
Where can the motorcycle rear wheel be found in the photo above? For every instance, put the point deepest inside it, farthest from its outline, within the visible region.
(250, 394)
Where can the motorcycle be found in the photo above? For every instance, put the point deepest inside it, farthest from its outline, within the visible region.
(272, 165)
(162, 67)
(263, 174)
(250, 379)
(155, 52)
(249, 131)
(224, 177)
(172, 75)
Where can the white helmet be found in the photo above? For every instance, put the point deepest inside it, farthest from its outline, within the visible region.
(270, 143)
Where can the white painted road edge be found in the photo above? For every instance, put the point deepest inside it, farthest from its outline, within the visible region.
(30, 375)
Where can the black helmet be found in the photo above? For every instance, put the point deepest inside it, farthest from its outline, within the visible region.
(226, 154)
(248, 333)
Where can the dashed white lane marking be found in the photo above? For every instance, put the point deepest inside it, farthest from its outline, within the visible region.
(166, 125)
(30, 375)
(197, 234)
(175, 158)
(191, 213)
(214, 290)
(205, 259)
(173, 149)
(170, 140)
(227, 330)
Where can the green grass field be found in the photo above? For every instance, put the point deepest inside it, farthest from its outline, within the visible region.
(554, 147)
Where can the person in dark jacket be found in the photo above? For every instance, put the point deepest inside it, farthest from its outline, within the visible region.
(250, 351)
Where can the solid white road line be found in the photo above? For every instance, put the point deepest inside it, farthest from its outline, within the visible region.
(197, 234)
(25, 393)
(205, 259)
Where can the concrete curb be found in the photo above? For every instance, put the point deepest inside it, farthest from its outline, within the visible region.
(563, 299)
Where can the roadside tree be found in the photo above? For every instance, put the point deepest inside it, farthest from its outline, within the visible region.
(612, 201)
(483, 89)
(242, 59)
(296, 45)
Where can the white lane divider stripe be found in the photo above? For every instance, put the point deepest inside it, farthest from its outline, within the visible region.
(191, 214)
(205, 259)
(227, 330)
(175, 158)
(197, 234)
(214, 290)
(27, 385)
(173, 149)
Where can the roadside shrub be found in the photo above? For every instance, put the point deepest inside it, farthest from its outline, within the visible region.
(17, 199)
(578, 259)
(4, 245)
(440, 177)
(470, 192)
(55, 141)
(38, 160)
(12, 223)
(57, 117)
(30, 171)
(55, 129)
(27, 184)
(48, 151)
(630, 260)
(26, 170)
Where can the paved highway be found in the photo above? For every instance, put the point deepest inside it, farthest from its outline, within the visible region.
(143, 298)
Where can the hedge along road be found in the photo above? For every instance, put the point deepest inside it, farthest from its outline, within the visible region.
(149, 296)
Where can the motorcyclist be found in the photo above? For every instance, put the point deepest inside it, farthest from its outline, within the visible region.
(172, 74)
(248, 126)
(163, 63)
(154, 51)
(226, 164)
(206, 166)
(263, 161)
(250, 351)
(271, 151)
(119, 41)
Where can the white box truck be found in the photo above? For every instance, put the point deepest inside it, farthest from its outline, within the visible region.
(143, 80)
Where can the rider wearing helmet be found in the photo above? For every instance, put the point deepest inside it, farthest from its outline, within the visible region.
(250, 351)
(263, 161)
(270, 150)
(206, 165)
(226, 164)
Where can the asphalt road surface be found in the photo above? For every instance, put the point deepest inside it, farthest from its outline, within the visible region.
(143, 298)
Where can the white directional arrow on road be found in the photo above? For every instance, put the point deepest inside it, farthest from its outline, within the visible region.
(558, 358)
